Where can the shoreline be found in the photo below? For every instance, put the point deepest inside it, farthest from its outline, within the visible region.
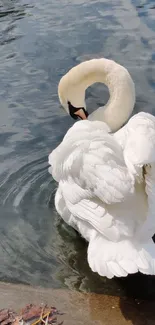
(80, 308)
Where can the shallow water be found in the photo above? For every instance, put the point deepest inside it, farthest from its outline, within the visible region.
(39, 42)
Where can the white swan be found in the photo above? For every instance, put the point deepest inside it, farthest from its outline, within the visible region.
(107, 180)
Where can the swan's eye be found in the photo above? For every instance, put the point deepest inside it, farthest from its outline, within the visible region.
(76, 112)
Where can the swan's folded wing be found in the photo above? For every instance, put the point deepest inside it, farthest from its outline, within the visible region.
(104, 170)
(90, 167)
(95, 213)
(139, 155)
(92, 158)
(147, 229)
(139, 148)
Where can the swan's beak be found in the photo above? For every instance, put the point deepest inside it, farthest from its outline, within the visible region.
(76, 112)
(82, 113)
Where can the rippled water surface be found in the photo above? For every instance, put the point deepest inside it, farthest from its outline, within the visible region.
(39, 41)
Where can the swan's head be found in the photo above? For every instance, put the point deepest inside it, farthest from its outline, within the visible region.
(73, 84)
(76, 112)
(71, 92)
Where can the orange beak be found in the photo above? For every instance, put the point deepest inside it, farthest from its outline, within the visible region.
(81, 114)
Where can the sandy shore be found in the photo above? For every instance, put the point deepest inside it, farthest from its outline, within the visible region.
(81, 308)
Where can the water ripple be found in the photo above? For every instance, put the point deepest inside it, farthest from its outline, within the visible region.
(39, 42)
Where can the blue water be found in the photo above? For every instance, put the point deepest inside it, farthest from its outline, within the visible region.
(39, 42)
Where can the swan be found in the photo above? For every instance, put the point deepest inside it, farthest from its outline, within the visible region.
(105, 171)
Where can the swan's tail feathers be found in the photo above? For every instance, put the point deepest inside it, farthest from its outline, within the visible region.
(120, 258)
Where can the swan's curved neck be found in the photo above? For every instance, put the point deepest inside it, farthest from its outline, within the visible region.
(122, 94)
(119, 82)
(121, 89)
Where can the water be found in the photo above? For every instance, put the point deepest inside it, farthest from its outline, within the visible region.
(39, 42)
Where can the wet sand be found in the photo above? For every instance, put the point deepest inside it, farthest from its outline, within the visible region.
(81, 308)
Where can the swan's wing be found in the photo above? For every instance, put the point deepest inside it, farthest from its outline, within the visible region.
(112, 221)
(139, 151)
(137, 139)
(140, 141)
(92, 158)
(148, 228)
(104, 170)
(90, 167)
(62, 209)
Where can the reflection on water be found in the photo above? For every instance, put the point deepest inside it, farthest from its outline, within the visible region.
(39, 42)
